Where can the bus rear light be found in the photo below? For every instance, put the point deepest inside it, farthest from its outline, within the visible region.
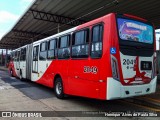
(114, 64)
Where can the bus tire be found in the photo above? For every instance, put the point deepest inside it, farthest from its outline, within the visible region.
(58, 88)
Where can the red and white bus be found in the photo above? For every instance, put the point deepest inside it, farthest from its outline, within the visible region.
(111, 57)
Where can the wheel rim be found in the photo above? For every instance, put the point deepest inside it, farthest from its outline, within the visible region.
(58, 88)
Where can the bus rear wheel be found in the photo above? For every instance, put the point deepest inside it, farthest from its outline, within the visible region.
(58, 88)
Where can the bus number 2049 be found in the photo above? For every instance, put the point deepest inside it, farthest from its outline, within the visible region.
(88, 69)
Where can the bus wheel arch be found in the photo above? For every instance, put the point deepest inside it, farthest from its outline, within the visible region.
(58, 87)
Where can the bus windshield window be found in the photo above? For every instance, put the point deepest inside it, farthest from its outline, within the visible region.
(132, 30)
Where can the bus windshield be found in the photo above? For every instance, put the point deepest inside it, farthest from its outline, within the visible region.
(132, 30)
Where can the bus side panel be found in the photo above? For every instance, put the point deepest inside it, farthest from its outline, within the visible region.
(113, 43)
(89, 84)
(47, 77)
(83, 83)
(105, 63)
(84, 74)
(55, 67)
(109, 41)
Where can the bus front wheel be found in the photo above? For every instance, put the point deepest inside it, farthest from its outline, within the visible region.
(58, 88)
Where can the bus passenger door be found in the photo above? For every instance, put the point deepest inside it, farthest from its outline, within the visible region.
(23, 63)
(35, 74)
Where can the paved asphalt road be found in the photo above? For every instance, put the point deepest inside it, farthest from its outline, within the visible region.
(17, 95)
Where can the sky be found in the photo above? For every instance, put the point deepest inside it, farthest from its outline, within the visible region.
(10, 13)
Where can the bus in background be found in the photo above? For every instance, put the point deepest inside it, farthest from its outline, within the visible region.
(111, 57)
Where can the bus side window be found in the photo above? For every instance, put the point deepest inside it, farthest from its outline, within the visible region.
(51, 49)
(43, 51)
(80, 44)
(64, 47)
(96, 44)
